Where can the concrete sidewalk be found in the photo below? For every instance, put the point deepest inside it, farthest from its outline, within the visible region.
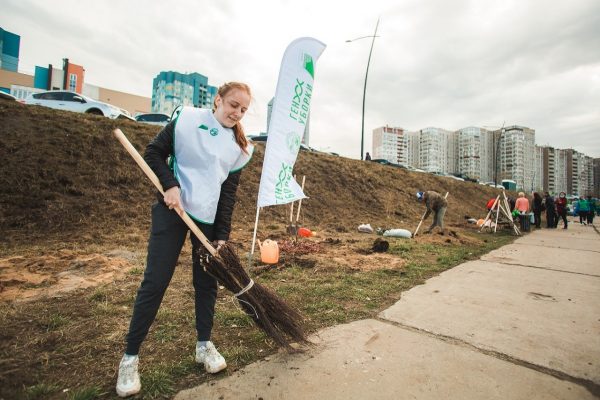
(523, 322)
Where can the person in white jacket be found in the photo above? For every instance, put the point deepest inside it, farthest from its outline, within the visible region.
(206, 150)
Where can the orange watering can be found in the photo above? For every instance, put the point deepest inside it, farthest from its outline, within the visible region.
(269, 251)
(304, 232)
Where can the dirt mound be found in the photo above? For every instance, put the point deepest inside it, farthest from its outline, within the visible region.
(68, 184)
(66, 177)
(29, 278)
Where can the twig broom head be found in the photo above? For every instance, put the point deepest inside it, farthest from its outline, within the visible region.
(277, 319)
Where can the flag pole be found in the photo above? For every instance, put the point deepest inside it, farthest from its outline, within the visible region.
(254, 234)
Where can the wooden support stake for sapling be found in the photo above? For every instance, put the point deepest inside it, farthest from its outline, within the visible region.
(300, 203)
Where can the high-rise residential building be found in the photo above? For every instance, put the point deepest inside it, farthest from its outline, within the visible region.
(572, 172)
(437, 148)
(173, 89)
(585, 177)
(10, 44)
(554, 170)
(538, 170)
(475, 153)
(516, 155)
(563, 170)
(389, 144)
(412, 148)
(488, 156)
(596, 169)
(560, 171)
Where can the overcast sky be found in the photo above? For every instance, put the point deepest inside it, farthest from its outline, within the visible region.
(440, 63)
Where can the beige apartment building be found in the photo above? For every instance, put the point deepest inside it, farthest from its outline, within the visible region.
(475, 149)
(389, 143)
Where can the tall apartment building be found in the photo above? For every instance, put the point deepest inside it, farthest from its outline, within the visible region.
(173, 89)
(585, 177)
(10, 44)
(554, 165)
(389, 144)
(413, 145)
(538, 170)
(475, 147)
(516, 155)
(437, 150)
(596, 169)
(564, 170)
(572, 172)
(560, 170)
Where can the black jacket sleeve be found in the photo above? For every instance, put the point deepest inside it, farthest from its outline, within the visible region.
(222, 225)
(156, 154)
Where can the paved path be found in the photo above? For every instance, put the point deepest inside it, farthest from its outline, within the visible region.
(523, 322)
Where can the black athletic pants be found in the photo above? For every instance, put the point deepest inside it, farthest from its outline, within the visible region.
(166, 240)
(561, 214)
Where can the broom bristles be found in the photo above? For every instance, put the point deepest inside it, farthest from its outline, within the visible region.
(270, 313)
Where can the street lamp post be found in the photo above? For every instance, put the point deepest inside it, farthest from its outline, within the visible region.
(362, 134)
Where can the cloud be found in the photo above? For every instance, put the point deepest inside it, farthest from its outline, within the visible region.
(436, 63)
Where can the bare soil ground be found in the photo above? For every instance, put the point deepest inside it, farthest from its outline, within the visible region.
(74, 220)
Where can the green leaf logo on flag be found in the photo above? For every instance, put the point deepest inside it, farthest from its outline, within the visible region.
(293, 142)
(309, 65)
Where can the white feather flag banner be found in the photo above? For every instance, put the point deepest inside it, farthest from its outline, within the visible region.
(289, 117)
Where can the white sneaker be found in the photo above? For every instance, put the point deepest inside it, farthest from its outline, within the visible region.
(128, 382)
(213, 361)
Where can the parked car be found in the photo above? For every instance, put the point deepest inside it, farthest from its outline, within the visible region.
(7, 96)
(153, 118)
(258, 138)
(71, 101)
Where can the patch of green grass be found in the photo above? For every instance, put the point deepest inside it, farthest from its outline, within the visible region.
(100, 295)
(40, 391)
(238, 354)
(233, 318)
(157, 383)
(136, 271)
(166, 331)
(55, 321)
(87, 393)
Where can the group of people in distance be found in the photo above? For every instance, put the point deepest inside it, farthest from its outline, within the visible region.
(556, 208)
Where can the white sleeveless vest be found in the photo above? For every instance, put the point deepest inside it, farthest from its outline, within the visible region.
(205, 154)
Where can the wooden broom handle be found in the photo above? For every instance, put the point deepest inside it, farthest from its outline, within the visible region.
(152, 176)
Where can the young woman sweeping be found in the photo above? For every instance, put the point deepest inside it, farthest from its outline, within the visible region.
(206, 151)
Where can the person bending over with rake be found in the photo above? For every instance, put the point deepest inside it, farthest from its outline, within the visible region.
(436, 203)
(206, 151)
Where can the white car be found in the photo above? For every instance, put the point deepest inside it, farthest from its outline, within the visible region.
(153, 118)
(71, 101)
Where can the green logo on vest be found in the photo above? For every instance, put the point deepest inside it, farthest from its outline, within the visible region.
(214, 132)
(309, 66)
(203, 127)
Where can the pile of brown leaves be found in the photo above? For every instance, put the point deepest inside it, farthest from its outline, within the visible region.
(298, 247)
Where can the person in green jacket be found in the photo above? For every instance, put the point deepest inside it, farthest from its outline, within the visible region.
(592, 210)
(583, 209)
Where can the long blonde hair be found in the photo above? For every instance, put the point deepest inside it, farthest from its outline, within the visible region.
(238, 130)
